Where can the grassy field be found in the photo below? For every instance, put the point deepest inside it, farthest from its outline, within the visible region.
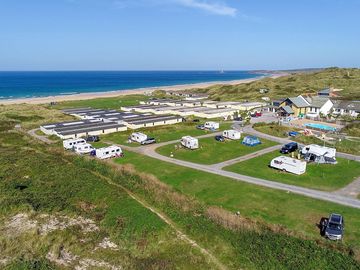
(212, 151)
(102, 103)
(345, 145)
(162, 133)
(296, 213)
(293, 85)
(34, 182)
(318, 176)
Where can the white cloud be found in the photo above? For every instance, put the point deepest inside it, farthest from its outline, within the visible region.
(209, 6)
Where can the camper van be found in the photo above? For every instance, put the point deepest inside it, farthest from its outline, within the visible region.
(212, 125)
(138, 137)
(232, 134)
(109, 152)
(83, 148)
(319, 154)
(190, 142)
(70, 144)
(288, 164)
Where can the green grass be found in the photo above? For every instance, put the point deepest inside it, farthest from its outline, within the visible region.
(212, 151)
(102, 103)
(99, 144)
(325, 177)
(162, 133)
(297, 213)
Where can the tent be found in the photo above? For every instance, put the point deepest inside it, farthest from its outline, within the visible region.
(251, 141)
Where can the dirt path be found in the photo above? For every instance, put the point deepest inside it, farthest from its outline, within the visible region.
(44, 139)
(351, 190)
(166, 219)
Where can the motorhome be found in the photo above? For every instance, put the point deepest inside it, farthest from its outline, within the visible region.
(70, 144)
(83, 148)
(138, 137)
(212, 125)
(288, 164)
(190, 142)
(109, 152)
(319, 154)
(232, 134)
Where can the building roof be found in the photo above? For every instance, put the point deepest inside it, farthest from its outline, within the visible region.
(347, 105)
(325, 91)
(288, 109)
(299, 102)
(318, 102)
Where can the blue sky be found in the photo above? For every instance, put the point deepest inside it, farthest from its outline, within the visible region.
(178, 34)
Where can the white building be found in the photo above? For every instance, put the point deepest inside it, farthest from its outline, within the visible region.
(345, 107)
(319, 105)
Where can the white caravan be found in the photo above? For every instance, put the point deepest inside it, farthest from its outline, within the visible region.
(212, 125)
(319, 154)
(138, 137)
(109, 152)
(70, 144)
(83, 148)
(288, 164)
(190, 142)
(232, 134)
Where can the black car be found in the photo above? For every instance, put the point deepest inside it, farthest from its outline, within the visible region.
(196, 120)
(148, 141)
(238, 118)
(334, 227)
(220, 138)
(289, 148)
(92, 138)
(202, 127)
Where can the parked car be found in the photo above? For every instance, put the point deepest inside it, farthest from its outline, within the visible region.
(202, 127)
(289, 148)
(148, 141)
(293, 133)
(220, 138)
(256, 114)
(92, 138)
(334, 227)
(196, 120)
(238, 118)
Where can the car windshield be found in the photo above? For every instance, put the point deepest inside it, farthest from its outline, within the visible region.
(334, 226)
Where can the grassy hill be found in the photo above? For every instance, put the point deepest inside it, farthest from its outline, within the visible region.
(292, 85)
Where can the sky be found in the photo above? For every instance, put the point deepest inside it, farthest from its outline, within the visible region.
(178, 34)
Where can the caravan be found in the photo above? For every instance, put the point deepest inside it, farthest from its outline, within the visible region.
(138, 137)
(70, 144)
(190, 142)
(212, 125)
(319, 154)
(109, 152)
(83, 148)
(232, 134)
(288, 164)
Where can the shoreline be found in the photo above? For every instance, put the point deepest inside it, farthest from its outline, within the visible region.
(138, 91)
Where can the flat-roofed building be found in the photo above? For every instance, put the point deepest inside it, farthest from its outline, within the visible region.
(156, 120)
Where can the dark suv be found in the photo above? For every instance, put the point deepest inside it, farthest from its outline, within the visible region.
(92, 138)
(334, 227)
(288, 148)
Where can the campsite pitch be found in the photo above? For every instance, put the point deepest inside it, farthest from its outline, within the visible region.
(325, 177)
(212, 151)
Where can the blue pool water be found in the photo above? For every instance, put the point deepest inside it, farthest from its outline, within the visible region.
(320, 126)
(39, 84)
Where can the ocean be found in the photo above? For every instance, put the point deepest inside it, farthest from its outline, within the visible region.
(41, 84)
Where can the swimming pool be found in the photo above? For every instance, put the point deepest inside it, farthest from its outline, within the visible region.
(320, 126)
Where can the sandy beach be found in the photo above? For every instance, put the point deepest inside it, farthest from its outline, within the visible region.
(116, 93)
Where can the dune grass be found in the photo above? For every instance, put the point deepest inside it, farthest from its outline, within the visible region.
(325, 177)
(212, 151)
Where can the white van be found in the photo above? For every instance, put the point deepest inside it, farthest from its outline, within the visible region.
(70, 144)
(83, 148)
(288, 164)
(232, 134)
(190, 142)
(138, 137)
(109, 152)
(212, 125)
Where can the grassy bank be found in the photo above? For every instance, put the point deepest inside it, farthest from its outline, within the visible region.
(325, 177)
(212, 151)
